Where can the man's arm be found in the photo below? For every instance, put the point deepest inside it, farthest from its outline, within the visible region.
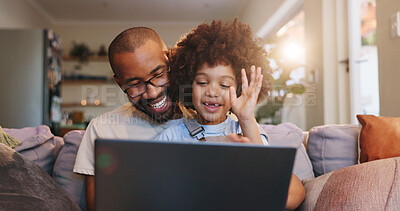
(89, 192)
(296, 193)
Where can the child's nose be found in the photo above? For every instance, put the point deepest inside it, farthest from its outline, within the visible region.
(212, 91)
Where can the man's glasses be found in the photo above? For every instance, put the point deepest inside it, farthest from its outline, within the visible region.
(159, 80)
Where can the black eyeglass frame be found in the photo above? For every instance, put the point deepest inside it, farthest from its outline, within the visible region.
(126, 87)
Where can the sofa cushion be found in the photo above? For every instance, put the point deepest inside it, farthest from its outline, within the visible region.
(289, 135)
(332, 147)
(379, 137)
(26, 186)
(368, 186)
(38, 144)
(73, 184)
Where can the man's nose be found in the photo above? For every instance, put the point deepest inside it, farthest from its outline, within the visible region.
(152, 91)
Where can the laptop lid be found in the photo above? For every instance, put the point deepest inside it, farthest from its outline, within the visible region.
(148, 175)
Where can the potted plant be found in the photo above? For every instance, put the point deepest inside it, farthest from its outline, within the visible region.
(81, 51)
(285, 82)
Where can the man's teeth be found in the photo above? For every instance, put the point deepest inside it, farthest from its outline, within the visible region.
(159, 104)
(207, 104)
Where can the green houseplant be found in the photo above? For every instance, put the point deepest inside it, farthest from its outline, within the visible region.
(283, 84)
(81, 51)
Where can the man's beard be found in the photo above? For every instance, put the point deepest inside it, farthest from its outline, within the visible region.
(142, 105)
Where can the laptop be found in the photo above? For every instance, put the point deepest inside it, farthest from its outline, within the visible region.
(154, 175)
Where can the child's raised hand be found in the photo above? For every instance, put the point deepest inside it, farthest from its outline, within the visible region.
(244, 105)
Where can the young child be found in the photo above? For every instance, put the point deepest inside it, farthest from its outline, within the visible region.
(211, 60)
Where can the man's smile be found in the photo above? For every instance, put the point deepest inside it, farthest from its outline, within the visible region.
(160, 106)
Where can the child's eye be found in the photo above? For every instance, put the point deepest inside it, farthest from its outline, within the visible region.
(224, 86)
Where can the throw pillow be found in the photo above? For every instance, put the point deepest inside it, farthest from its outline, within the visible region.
(332, 147)
(368, 186)
(379, 137)
(72, 183)
(38, 144)
(289, 135)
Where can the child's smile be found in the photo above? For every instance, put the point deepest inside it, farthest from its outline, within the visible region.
(212, 107)
(211, 93)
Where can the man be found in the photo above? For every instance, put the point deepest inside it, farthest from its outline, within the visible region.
(140, 65)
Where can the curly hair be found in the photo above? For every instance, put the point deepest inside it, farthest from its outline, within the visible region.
(221, 42)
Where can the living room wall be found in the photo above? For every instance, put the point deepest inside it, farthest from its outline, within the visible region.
(95, 35)
(314, 62)
(388, 57)
(19, 14)
(257, 13)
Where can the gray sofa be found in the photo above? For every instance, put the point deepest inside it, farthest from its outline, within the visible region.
(326, 161)
(36, 175)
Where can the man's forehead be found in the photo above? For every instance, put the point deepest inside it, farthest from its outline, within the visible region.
(141, 66)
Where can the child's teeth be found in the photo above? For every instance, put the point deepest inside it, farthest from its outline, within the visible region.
(207, 104)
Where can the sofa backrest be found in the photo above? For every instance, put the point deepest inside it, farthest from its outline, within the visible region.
(328, 147)
(319, 151)
(289, 135)
(332, 147)
(72, 183)
(38, 144)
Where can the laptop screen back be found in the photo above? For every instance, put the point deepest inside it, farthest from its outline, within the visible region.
(147, 175)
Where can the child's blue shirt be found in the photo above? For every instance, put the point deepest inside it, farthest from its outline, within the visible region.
(179, 133)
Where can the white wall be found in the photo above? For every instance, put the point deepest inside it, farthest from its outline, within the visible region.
(329, 67)
(314, 63)
(326, 46)
(16, 14)
(325, 51)
(257, 12)
(388, 59)
(21, 78)
(96, 35)
(266, 17)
